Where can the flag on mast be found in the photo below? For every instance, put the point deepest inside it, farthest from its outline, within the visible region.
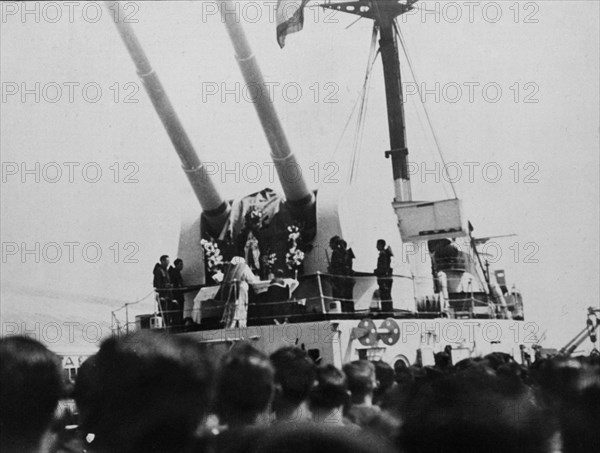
(290, 18)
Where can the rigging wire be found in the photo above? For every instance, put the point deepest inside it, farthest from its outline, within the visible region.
(425, 131)
(134, 302)
(361, 120)
(359, 18)
(362, 101)
(434, 135)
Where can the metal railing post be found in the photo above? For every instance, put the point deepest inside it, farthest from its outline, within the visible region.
(321, 297)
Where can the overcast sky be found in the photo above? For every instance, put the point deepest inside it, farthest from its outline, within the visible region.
(512, 87)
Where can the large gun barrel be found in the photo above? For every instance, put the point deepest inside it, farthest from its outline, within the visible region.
(294, 186)
(215, 208)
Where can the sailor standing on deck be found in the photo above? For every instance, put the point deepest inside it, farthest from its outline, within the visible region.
(177, 282)
(348, 272)
(162, 285)
(384, 276)
(336, 267)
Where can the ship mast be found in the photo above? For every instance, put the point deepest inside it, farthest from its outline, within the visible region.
(384, 13)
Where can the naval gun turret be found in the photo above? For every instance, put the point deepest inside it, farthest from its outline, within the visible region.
(221, 220)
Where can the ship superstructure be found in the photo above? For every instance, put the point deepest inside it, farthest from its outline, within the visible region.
(449, 300)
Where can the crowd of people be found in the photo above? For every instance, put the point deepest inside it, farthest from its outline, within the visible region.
(154, 392)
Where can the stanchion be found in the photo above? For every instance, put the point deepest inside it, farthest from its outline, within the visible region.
(324, 310)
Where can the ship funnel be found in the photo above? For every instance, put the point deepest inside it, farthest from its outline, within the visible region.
(294, 186)
(215, 208)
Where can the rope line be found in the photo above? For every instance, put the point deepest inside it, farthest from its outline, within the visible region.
(400, 36)
(360, 101)
(361, 120)
(135, 302)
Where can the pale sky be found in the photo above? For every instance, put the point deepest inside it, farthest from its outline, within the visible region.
(542, 132)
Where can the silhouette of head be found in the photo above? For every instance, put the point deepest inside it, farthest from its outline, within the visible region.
(294, 376)
(30, 387)
(361, 379)
(334, 241)
(474, 410)
(144, 392)
(331, 389)
(244, 385)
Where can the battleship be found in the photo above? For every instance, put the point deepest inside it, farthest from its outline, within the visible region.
(443, 298)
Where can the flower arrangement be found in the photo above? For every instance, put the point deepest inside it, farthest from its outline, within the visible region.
(294, 257)
(293, 234)
(212, 254)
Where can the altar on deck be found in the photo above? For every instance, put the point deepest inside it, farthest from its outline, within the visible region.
(264, 296)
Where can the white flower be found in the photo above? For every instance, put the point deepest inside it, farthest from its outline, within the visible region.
(218, 277)
(294, 258)
(212, 254)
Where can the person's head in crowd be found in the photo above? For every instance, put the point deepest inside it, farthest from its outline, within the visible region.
(85, 391)
(514, 370)
(580, 414)
(401, 371)
(31, 385)
(470, 362)
(244, 386)
(178, 263)
(474, 411)
(362, 384)
(329, 395)
(432, 372)
(443, 360)
(361, 381)
(294, 377)
(497, 359)
(384, 374)
(316, 438)
(145, 392)
(572, 387)
(558, 377)
(405, 380)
